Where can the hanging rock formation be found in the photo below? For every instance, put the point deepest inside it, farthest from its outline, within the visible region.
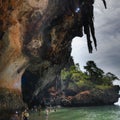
(35, 41)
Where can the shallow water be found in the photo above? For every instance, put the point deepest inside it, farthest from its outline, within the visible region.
(86, 113)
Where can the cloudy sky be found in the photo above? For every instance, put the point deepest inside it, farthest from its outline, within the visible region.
(107, 24)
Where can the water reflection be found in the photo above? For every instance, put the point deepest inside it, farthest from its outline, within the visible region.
(46, 118)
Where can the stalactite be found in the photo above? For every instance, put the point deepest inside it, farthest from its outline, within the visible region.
(87, 13)
(104, 2)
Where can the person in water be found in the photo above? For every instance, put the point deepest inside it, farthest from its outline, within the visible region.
(25, 115)
(47, 111)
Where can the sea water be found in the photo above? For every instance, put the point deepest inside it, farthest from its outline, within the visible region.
(86, 113)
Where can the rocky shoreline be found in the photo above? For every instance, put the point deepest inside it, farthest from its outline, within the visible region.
(93, 97)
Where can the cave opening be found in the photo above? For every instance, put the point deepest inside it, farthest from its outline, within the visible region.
(28, 81)
(32, 91)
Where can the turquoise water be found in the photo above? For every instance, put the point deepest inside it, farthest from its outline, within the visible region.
(86, 113)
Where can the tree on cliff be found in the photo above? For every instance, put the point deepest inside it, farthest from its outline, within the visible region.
(108, 78)
(73, 75)
(95, 74)
(92, 77)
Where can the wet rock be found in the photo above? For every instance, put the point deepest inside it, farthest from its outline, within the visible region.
(95, 97)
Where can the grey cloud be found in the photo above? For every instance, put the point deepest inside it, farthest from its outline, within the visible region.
(107, 24)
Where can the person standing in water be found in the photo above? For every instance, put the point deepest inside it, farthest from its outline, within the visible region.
(25, 115)
(47, 111)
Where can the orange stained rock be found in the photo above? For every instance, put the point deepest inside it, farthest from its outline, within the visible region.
(41, 4)
(6, 7)
(85, 92)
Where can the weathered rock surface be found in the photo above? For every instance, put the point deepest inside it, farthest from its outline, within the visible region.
(35, 41)
(93, 97)
(36, 35)
(10, 99)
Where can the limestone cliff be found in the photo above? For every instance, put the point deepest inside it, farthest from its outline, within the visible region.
(35, 40)
(92, 97)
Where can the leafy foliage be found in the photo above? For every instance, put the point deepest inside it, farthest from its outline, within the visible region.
(108, 78)
(95, 73)
(92, 77)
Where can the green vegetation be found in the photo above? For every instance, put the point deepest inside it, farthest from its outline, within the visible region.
(92, 77)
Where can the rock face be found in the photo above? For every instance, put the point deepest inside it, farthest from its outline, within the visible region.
(93, 97)
(35, 41)
(34, 35)
(97, 97)
(10, 99)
